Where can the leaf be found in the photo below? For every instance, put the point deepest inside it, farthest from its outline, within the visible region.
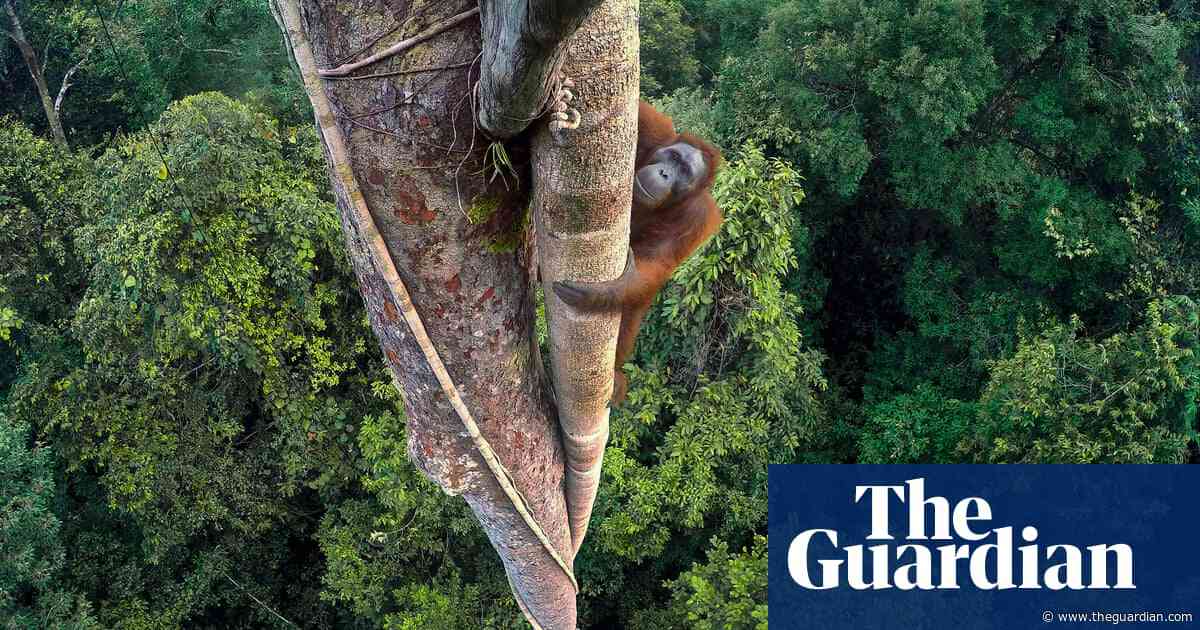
(130, 282)
(162, 171)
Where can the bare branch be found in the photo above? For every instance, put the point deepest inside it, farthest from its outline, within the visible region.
(400, 46)
(259, 601)
(393, 73)
(216, 51)
(66, 81)
(35, 71)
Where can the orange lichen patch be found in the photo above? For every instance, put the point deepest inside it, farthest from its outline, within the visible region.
(454, 476)
(375, 176)
(410, 207)
(392, 356)
(453, 284)
(487, 295)
(389, 311)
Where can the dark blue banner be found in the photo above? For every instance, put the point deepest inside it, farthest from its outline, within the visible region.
(984, 547)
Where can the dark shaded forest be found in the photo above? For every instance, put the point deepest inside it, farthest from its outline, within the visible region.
(956, 231)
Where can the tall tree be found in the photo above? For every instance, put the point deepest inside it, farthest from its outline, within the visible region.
(435, 232)
(37, 70)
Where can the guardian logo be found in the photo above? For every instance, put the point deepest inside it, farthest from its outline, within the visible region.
(981, 547)
(959, 540)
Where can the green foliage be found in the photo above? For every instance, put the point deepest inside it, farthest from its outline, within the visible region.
(9, 322)
(41, 276)
(207, 379)
(216, 396)
(39, 207)
(159, 51)
(726, 306)
(993, 259)
(1127, 398)
(397, 555)
(31, 595)
(232, 273)
(976, 169)
(919, 428)
(729, 592)
(668, 55)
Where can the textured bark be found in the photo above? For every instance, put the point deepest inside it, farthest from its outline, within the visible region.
(35, 69)
(583, 181)
(419, 163)
(521, 61)
(401, 46)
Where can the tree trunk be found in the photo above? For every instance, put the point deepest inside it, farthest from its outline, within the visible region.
(414, 191)
(31, 61)
(418, 160)
(522, 58)
(583, 189)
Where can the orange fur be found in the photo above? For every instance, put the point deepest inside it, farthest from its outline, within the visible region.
(660, 239)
